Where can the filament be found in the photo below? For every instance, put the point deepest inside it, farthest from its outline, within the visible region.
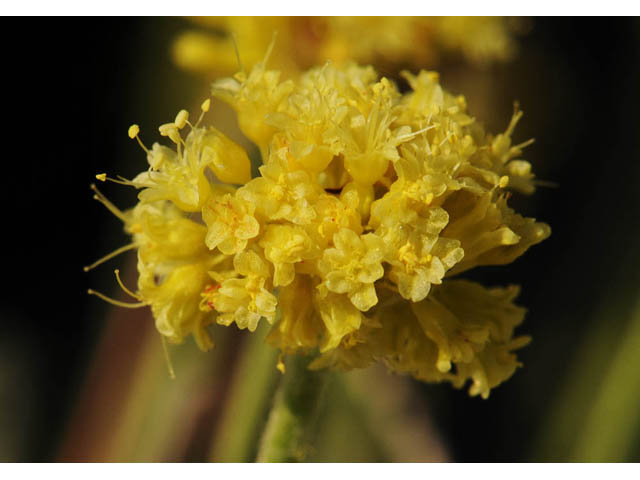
(167, 358)
(110, 206)
(125, 289)
(109, 256)
(117, 303)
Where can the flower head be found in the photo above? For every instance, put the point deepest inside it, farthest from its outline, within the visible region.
(367, 203)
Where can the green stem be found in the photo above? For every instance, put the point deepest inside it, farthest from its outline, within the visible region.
(248, 402)
(291, 424)
(611, 425)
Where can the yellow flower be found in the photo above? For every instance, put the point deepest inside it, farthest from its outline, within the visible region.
(253, 97)
(230, 223)
(284, 246)
(367, 203)
(181, 176)
(242, 300)
(299, 326)
(280, 194)
(307, 41)
(173, 263)
(490, 233)
(353, 266)
(333, 213)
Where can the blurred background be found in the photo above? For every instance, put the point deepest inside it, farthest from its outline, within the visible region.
(81, 381)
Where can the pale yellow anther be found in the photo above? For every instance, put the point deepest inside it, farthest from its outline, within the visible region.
(206, 105)
(170, 130)
(181, 118)
(102, 177)
(429, 198)
(134, 130)
(504, 181)
(165, 128)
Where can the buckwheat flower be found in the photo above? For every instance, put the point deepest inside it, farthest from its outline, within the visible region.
(244, 300)
(333, 214)
(352, 267)
(369, 143)
(181, 175)
(230, 223)
(173, 268)
(300, 325)
(281, 194)
(368, 204)
(253, 96)
(307, 41)
(491, 233)
(284, 246)
(303, 125)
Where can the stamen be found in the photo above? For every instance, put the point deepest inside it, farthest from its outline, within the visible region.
(409, 136)
(122, 181)
(206, 105)
(445, 140)
(117, 303)
(170, 130)
(109, 256)
(134, 130)
(125, 289)
(270, 48)
(167, 358)
(235, 47)
(522, 145)
(110, 206)
(517, 115)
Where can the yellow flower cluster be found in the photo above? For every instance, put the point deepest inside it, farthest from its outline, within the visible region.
(367, 201)
(307, 41)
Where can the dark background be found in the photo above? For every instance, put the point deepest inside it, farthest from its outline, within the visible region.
(73, 86)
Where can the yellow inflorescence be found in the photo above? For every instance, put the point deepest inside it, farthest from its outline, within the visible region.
(367, 201)
(307, 41)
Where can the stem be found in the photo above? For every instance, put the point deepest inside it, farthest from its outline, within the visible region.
(248, 402)
(291, 424)
(612, 423)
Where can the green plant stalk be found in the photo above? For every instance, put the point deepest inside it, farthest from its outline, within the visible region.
(248, 401)
(156, 411)
(614, 418)
(291, 425)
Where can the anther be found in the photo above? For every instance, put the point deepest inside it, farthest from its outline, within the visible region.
(170, 130)
(181, 118)
(134, 130)
(206, 105)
